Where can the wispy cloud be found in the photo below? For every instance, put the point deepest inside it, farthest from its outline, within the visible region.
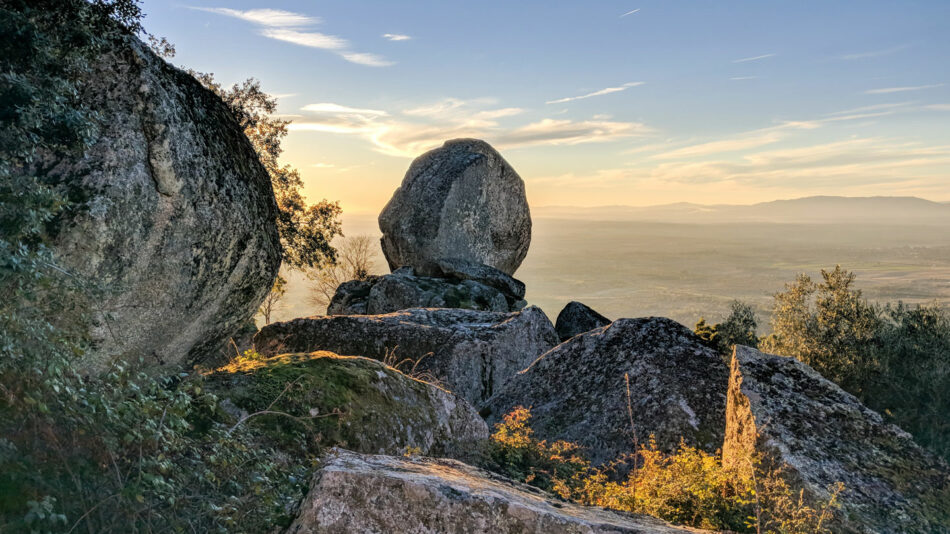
(631, 12)
(291, 27)
(904, 89)
(415, 130)
(753, 58)
(329, 107)
(605, 91)
(264, 17)
(370, 60)
(737, 78)
(311, 39)
(396, 37)
(874, 53)
(875, 107)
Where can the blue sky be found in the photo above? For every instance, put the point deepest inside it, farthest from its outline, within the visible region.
(594, 103)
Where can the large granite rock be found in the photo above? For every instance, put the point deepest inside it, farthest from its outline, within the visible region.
(379, 409)
(577, 391)
(471, 353)
(462, 200)
(783, 411)
(577, 318)
(381, 494)
(175, 214)
(477, 288)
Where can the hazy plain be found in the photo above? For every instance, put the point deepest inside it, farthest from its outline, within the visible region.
(685, 271)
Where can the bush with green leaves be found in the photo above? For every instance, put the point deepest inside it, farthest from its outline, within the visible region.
(739, 328)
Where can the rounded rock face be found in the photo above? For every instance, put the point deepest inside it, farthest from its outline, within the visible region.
(174, 219)
(461, 201)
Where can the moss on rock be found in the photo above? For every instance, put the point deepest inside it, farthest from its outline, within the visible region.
(309, 401)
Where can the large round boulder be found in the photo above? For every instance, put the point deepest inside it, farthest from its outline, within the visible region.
(461, 201)
(174, 215)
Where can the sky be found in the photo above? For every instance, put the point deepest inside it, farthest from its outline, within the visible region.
(596, 102)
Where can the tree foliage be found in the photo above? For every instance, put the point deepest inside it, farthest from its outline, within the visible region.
(306, 231)
(894, 358)
(739, 328)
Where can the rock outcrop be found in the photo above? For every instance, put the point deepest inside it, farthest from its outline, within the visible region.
(175, 214)
(471, 353)
(577, 318)
(364, 493)
(352, 402)
(468, 286)
(577, 391)
(786, 412)
(462, 201)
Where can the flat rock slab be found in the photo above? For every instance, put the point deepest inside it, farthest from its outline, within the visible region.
(461, 200)
(384, 494)
(471, 353)
(577, 391)
(785, 411)
(380, 410)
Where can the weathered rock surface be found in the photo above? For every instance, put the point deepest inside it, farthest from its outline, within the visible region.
(463, 201)
(784, 410)
(380, 410)
(577, 318)
(382, 494)
(479, 287)
(577, 391)
(471, 353)
(176, 215)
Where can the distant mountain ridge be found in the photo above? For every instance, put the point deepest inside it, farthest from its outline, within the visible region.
(816, 209)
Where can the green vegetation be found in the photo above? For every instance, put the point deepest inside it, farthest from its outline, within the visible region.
(738, 329)
(690, 487)
(121, 452)
(894, 358)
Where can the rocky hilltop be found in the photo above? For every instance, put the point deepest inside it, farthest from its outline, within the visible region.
(451, 312)
(175, 216)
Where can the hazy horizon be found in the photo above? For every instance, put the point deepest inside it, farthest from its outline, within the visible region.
(595, 103)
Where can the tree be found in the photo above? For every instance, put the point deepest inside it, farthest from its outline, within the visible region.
(827, 325)
(894, 358)
(273, 299)
(739, 328)
(354, 262)
(305, 230)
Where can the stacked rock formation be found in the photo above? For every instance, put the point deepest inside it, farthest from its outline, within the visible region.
(454, 233)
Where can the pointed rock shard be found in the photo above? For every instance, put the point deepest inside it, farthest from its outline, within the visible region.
(577, 391)
(462, 201)
(363, 493)
(786, 412)
(471, 353)
(577, 318)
